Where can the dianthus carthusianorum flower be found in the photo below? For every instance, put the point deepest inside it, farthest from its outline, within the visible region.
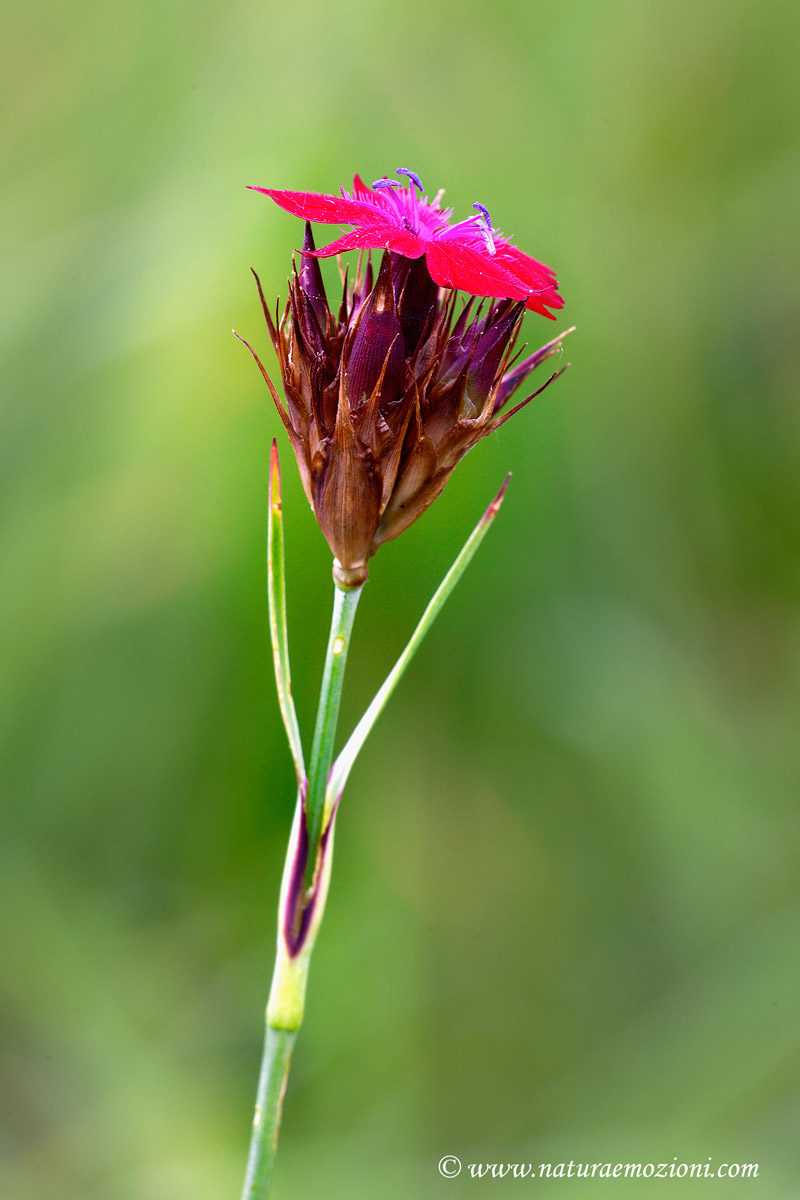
(387, 390)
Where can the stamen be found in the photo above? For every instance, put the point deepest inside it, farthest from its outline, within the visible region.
(483, 210)
(413, 225)
(489, 240)
(466, 221)
(485, 226)
(413, 176)
(395, 191)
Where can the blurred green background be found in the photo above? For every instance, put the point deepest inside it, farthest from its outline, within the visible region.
(565, 907)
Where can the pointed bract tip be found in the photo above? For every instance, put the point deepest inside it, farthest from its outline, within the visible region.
(274, 477)
(494, 507)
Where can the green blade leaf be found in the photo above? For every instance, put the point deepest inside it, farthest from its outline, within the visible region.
(343, 765)
(276, 586)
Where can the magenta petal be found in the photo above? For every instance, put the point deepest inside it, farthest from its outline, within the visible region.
(359, 239)
(473, 270)
(313, 206)
(534, 273)
(404, 242)
(376, 236)
(538, 277)
(464, 256)
(537, 304)
(361, 189)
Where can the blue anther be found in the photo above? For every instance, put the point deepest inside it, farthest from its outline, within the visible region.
(413, 176)
(386, 182)
(483, 210)
(485, 226)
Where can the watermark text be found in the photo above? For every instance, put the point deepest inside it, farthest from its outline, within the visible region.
(451, 1166)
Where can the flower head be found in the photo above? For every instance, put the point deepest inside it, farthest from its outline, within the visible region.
(386, 393)
(470, 255)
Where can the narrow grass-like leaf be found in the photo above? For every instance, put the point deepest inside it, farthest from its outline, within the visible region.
(343, 765)
(276, 586)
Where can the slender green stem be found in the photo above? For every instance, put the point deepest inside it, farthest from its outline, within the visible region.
(272, 1079)
(284, 1017)
(287, 994)
(345, 603)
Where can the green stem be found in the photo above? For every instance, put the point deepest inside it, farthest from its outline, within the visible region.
(345, 603)
(287, 994)
(272, 1079)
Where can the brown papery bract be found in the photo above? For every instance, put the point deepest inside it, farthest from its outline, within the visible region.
(385, 398)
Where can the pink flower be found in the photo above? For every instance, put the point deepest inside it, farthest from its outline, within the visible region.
(470, 255)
